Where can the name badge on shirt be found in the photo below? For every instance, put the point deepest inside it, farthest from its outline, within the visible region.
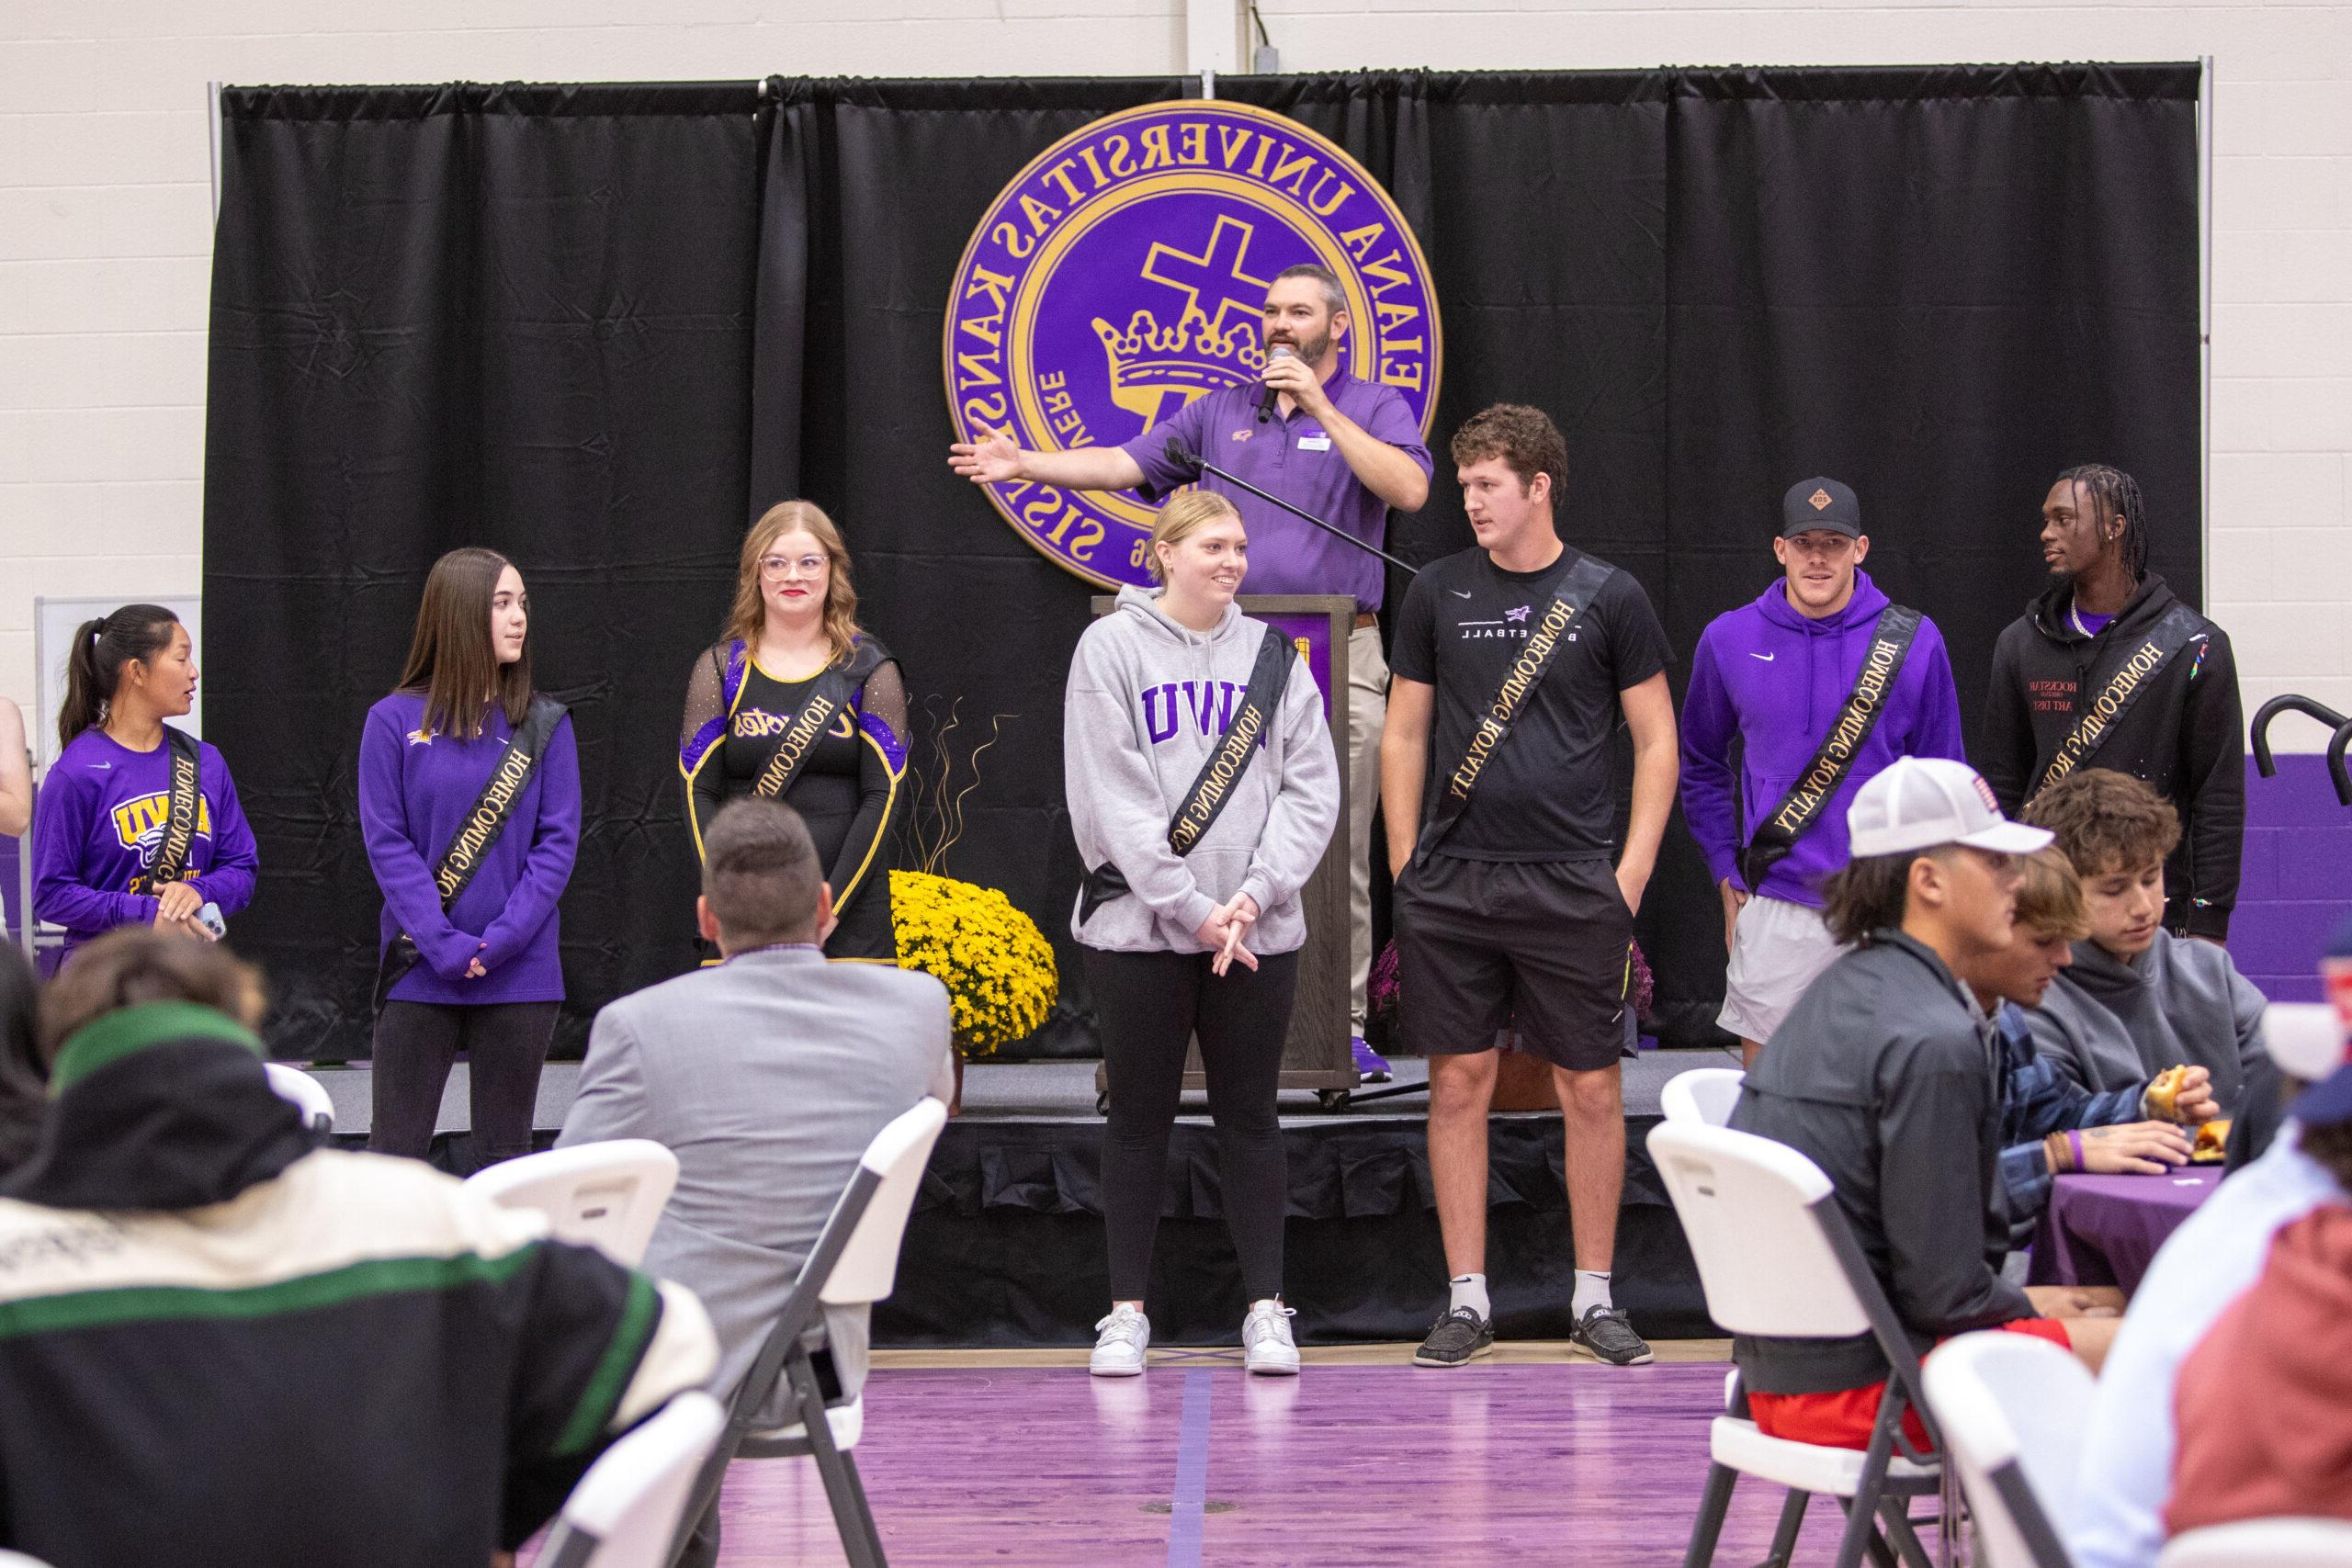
(1314, 443)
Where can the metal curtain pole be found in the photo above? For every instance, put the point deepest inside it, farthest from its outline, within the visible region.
(25, 891)
(212, 93)
(1212, 40)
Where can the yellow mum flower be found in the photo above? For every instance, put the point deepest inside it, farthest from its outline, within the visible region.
(997, 965)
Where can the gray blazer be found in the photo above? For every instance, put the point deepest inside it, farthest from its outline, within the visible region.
(767, 1076)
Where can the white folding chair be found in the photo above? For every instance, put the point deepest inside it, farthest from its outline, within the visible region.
(624, 1511)
(2010, 1407)
(2305, 1039)
(607, 1195)
(1702, 1094)
(310, 1097)
(1776, 1258)
(2263, 1543)
(855, 1263)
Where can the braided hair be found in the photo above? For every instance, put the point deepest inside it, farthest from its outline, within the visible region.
(2117, 495)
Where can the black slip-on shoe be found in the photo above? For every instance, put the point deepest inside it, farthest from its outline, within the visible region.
(1456, 1337)
(1609, 1335)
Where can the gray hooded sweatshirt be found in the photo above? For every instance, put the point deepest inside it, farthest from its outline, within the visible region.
(1147, 701)
(2110, 1023)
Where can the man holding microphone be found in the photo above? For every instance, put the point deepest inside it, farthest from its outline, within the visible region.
(1342, 449)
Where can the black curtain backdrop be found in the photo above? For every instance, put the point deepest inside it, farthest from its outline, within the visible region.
(601, 328)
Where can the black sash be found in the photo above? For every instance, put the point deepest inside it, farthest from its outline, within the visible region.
(1212, 788)
(2174, 630)
(184, 801)
(477, 830)
(1570, 599)
(1801, 809)
(829, 697)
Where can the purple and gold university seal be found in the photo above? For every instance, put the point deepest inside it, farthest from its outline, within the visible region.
(1122, 273)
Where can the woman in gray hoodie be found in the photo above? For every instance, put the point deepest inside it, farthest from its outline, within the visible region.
(1174, 734)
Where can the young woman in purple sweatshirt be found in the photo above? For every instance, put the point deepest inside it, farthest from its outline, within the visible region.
(487, 979)
(104, 806)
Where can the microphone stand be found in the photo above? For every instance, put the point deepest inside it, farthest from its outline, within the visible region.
(1200, 465)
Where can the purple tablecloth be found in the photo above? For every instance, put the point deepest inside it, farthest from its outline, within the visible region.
(2104, 1230)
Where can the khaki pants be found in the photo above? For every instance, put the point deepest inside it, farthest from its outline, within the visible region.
(1367, 716)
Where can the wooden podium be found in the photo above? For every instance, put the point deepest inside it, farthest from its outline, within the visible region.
(1316, 1055)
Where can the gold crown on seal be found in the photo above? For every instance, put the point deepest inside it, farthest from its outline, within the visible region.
(1150, 363)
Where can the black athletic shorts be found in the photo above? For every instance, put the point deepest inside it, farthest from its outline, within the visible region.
(1544, 947)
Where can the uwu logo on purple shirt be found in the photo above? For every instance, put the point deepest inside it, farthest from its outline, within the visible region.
(1122, 273)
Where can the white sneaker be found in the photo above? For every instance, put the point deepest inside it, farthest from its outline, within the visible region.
(1266, 1339)
(1120, 1341)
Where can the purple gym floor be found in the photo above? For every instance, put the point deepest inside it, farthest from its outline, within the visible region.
(1197, 1464)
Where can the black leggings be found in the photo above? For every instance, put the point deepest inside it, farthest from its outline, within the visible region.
(505, 1045)
(1151, 1005)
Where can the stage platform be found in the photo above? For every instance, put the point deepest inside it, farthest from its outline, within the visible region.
(1005, 1246)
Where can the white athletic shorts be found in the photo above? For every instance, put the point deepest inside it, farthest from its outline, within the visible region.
(1777, 949)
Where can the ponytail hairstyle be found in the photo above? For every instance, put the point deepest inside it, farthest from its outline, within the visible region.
(1184, 516)
(94, 664)
(451, 659)
(2114, 493)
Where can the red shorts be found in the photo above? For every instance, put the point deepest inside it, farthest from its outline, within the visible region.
(1845, 1419)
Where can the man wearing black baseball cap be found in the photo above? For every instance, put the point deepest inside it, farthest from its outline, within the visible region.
(1822, 682)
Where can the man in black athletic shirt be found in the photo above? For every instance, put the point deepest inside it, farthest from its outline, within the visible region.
(1512, 662)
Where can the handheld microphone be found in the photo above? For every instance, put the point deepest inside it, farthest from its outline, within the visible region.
(1268, 397)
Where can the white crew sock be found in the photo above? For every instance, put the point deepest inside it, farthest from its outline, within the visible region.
(1592, 1290)
(1470, 1290)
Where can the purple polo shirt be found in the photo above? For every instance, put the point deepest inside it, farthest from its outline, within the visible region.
(1295, 459)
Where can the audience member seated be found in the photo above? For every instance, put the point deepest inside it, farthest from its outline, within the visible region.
(2265, 1406)
(2138, 1000)
(767, 1075)
(23, 1097)
(224, 1347)
(2125, 1487)
(2049, 1123)
(1898, 1096)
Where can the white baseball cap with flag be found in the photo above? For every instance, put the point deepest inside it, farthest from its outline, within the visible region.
(1919, 803)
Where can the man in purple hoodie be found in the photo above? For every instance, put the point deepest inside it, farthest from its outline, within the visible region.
(1822, 682)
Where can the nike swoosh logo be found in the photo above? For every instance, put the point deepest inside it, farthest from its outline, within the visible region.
(1767, 658)
(1459, 593)
(101, 767)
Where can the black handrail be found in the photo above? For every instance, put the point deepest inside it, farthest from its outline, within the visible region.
(2309, 709)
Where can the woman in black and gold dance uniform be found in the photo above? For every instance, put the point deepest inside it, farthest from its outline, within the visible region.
(800, 705)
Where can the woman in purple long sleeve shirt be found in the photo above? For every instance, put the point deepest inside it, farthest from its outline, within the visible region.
(487, 979)
(104, 806)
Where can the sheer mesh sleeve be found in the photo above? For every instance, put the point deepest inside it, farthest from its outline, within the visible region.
(702, 732)
(885, 698)
(882, 716)
(705, 703)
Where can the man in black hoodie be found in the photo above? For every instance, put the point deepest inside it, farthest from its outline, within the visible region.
(2108, 665)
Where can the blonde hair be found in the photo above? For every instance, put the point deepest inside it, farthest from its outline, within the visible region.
(1183, 516)
(840, 598)
(2050, 899)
